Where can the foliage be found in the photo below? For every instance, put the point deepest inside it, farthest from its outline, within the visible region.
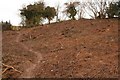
(71, 9)
(33, 13)
(112, 10)
(118, 9)
(6, 25)
(15, 28)
(49, 13)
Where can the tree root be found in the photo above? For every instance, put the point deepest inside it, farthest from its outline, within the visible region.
(9, 67)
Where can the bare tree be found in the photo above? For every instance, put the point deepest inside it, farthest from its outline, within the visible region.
(98, 8)
(57, 13)
(22, 21)
(91, 6)
(81, 10)
(64, 15)
(103, 7)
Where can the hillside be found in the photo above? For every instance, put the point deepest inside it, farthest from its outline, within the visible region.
(83, 48)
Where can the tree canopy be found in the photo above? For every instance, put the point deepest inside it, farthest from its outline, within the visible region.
(71, 9)
(49, 13)
(112, 10)
(34, 14)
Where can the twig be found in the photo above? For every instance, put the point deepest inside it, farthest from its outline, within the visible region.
(9, 67)
(5, 70)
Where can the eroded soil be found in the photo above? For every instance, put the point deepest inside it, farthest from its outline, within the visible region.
(83, 48)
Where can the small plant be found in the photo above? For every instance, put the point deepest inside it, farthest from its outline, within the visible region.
(15, 28)
(6, 25)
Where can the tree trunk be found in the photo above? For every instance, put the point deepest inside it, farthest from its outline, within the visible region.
(73, 18)
(48, 21)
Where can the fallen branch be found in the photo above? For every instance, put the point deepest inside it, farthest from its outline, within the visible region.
(5, 70)
(9, 67)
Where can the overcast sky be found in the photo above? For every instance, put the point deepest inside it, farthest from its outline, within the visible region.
(9, 9)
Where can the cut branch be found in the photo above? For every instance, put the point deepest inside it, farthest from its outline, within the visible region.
(9, 67)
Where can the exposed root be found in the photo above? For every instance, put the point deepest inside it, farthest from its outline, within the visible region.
(9, 67)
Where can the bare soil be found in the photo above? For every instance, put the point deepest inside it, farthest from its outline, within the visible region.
(78, 49)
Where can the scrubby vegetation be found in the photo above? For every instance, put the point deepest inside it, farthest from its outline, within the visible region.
(113, 10)
(35, 13)
(6, 25)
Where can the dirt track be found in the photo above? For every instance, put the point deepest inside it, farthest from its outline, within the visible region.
(28, 73)
(84, 48)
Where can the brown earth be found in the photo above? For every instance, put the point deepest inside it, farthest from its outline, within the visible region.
(83, 48)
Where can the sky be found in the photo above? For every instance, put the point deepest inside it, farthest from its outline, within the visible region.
(9, 9)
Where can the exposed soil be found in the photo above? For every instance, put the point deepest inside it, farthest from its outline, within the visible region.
(83, 48)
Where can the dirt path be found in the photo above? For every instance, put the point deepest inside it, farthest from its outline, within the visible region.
(28, 73)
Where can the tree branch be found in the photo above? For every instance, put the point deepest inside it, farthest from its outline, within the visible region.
(9, 67)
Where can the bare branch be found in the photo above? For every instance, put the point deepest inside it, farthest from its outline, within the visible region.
(9, 67)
